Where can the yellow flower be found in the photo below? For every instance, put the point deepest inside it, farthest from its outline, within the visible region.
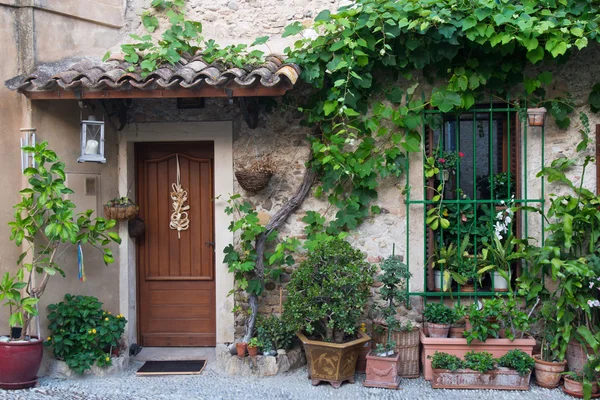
(49, 338)
(106, 319)
(109, 312)
(93, 331)
(445, 213)
(107, 359)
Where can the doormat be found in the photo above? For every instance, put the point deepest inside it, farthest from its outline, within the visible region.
(184, 367)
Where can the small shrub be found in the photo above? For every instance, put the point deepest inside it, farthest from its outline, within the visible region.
(518, 360)
(445, 361)
(329, 290)
(439, 313)
(479, 361)
(82, 333)
(274, 333)
(255, 342)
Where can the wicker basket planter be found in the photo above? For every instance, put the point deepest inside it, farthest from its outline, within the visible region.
(120, 210)
(459, 347)
(407, 347)
(253, 181)
(499, 379)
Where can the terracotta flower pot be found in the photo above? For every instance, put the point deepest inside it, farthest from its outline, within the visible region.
(499, 379)
(241, 349)
(332, 362)
(252, 351)
(457, 331)
(548, 373)
(576, 388)
(577, 355)
(437, 330)
(382, 372)
(19, 363)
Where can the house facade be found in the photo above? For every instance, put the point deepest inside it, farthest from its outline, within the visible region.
(173, 287)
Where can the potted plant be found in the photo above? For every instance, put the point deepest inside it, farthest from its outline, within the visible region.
(327, 294)
(241, 348)
(583, 383)
(438, 318)
(256, 177)
(459, 326)
(382, 364)
(499, 256)
(46, 217)
(479, 370)
(548, 364)
(120, 209)
(253, 346)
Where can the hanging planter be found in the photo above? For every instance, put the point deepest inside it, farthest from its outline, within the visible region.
(121, 209)
(256, 177)
(536, 116)
(136, 227)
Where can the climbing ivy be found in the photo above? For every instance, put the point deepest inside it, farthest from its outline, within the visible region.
(466, 50)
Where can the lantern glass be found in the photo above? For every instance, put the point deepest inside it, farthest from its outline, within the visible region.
(536, 116)
(92, 141)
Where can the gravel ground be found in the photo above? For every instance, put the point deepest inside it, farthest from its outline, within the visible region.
(213, 384)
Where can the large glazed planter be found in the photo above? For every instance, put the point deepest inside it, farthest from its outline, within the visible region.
(548, 373)
(499, 379)
(19, 363)
(459, 347)
(382, 372)
(332, 362)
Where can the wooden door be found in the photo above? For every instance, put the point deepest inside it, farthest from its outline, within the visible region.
(176, 285)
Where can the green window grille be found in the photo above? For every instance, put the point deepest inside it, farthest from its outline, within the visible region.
(490, 140)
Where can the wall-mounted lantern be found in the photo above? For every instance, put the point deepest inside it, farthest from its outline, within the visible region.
(536, 116)
(92, 140)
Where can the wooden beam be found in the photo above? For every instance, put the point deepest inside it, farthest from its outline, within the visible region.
(208, 91)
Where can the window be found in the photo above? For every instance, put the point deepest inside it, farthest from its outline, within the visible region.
(482, 158)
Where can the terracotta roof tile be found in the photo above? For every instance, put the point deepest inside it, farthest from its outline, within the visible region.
(190, 72)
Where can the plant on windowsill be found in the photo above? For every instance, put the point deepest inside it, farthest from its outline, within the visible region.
(438, 318)
(326, 297)
(46, 223)
(499, 256)
(394, 278)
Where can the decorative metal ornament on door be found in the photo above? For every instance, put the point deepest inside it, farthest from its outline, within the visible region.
(179, 217)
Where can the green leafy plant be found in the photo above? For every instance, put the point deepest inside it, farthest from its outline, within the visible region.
(82, 333)
(255, 342)
(328, 291)
(518, 360)
(274, 333)
(500, 256)
(439, 313)
(45, 217)
(394, 278)
(447, 361)
(479, 361)
(588, 375)
(503, 184)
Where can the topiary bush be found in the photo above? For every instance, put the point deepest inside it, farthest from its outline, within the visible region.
(82, 333)
(328, 291)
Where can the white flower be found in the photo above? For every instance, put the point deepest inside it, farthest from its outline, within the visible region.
(591, 284)
(499, 215)
(508, 220)
(590, 303)
(596, 303)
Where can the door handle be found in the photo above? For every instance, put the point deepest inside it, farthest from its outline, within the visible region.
(210, 244)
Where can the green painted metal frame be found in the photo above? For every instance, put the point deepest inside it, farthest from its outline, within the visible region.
(492, 111)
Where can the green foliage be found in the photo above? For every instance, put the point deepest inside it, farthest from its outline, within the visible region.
(255, 342)
(82, 333)
(45, 216)
(363, 49)
(147, 54)
(588, 375)
(447, 361)
(518, 360)
(328, 291)
(439, 313)
(500, 256)
(274, 333)
(479, 361)
(241, 259)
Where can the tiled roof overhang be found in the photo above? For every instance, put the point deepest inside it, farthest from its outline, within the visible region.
(190, 77)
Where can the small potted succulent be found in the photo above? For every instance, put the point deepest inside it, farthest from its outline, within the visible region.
(253, 346)
(382, 364)
(583, 383)
(438, 318)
